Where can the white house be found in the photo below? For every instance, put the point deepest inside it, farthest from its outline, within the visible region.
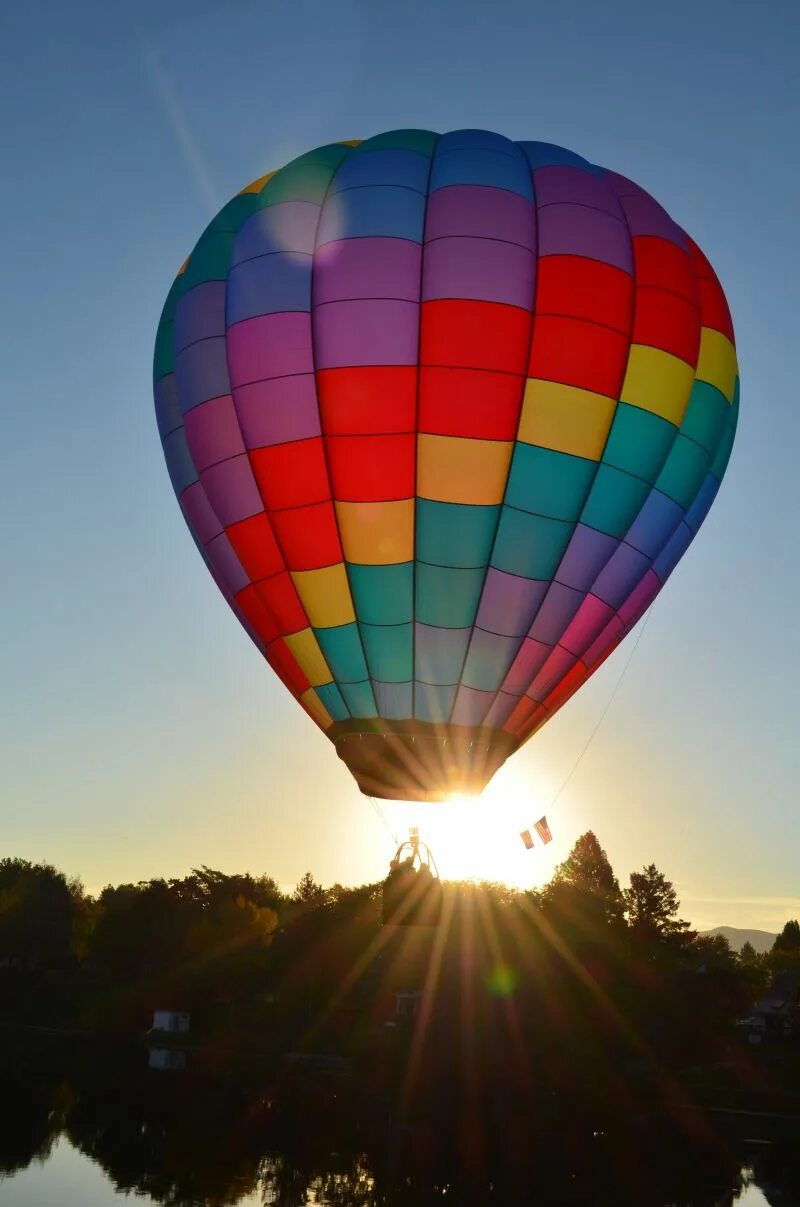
(177, 1022)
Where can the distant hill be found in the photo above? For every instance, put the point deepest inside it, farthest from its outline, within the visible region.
(762, 940)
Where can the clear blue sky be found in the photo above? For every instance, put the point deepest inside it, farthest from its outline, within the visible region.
(140, 732)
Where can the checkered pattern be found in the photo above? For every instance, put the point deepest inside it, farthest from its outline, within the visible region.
(442, 414)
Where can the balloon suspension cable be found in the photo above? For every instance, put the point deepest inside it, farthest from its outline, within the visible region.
(383, 820)
(603, 714)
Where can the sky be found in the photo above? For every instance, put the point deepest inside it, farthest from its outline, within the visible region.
(140, 733)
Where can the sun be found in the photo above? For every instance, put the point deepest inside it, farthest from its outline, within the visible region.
(478, 837)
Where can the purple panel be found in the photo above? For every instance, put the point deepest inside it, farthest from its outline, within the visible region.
(272, 345)
(439, 653)
(276, 411)
(559, 606)
(201, 372)
(199, 514)
(366, 333)
(482, 211)
(586, 554)
(199, 314)
(622, 186)
(509, 603)
(589, 621)
(640, 599)
(625, 568)
(288, 226)
(654, 525)
(471, 706)
(367, 268)
(559, 184)
(227, 564)
(487, 270)
(232, 490)
(168, 407)
(212, 432)
(530, 658)
(551, 674)
(646, 217)
(501, 710)
(577, 230)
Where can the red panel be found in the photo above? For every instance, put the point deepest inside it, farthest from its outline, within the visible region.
(524, 716)
(664, 320)
(573, 679)
(255, 546)
(372, 399)
(252, 608)
(282, 661)
(369, 468)
(308, 536)
(577, 353)
(475, 335)
(290, 475)
(714, 310)
(279, 595)
(469, 402)
(586, 289)
(659, 262)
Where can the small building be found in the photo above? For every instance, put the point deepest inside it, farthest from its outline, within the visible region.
(167, 1058)
(406, 1005)
(175, 1022)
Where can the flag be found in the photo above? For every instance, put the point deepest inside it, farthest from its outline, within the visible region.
(543, 830)
(527, 839)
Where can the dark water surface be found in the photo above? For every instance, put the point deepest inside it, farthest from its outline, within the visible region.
(82, 1126)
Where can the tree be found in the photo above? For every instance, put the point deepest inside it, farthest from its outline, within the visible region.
(748, 954)
(39, 912)
(588, 872)
(651, 905)
(789, 938)
(308, 891)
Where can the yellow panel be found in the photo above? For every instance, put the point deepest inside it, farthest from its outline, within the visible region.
(257, 185)
(716, 363)
(451, 469)
(377, 534)
(182, 268)
(565, 418)
(657, 382)
(310, 658)
(325, 595)
(319, 712)
(350, 142)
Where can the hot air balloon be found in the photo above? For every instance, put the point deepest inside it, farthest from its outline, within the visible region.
(442, 413)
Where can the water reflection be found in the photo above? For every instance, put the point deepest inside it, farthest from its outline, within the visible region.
(226, 1131)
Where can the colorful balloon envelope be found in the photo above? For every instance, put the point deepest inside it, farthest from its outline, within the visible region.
(442, 413)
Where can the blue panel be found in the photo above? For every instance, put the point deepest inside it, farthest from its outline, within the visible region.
(454, 534)
(343, 653)
(548, 155)
(587, 553)
(447, 596)
(168, 407)
(389, 650)
(287, 226)
(382, 594)
(530, 545)
(557, 610)
(433, 703)
(199, 314)
(201, 372)
(624, 571)
(488, 660)
(654, 524)
(396, 167)
(700, 507)
(359, 699)
(684, 471)
(331, 697)
(379, 210)
(548, 483)
(439, 653)
(395, 700)
(614, 501)
(666, 561)
(179, 461)
(269, 285)
(470, 166)
(477, 140)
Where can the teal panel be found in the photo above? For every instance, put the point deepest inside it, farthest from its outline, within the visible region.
(530, 545)
(639, 442)
(389, 650)
(422, 141)
(614, 501)
(163, 354)
(548, 483)
(233, 215)
(331, 697)
(705, 416)
(175, 292)
(343, 652)
(359, 699)
(454, 534)
(382, 594)
(209, 261)
(433, 703)
(328, 156)
(447, 596)
(301, 182)
(685, 469)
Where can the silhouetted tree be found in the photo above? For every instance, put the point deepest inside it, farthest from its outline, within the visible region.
(789, 938)
(308, 891)
(651, 905)
(39, 910)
